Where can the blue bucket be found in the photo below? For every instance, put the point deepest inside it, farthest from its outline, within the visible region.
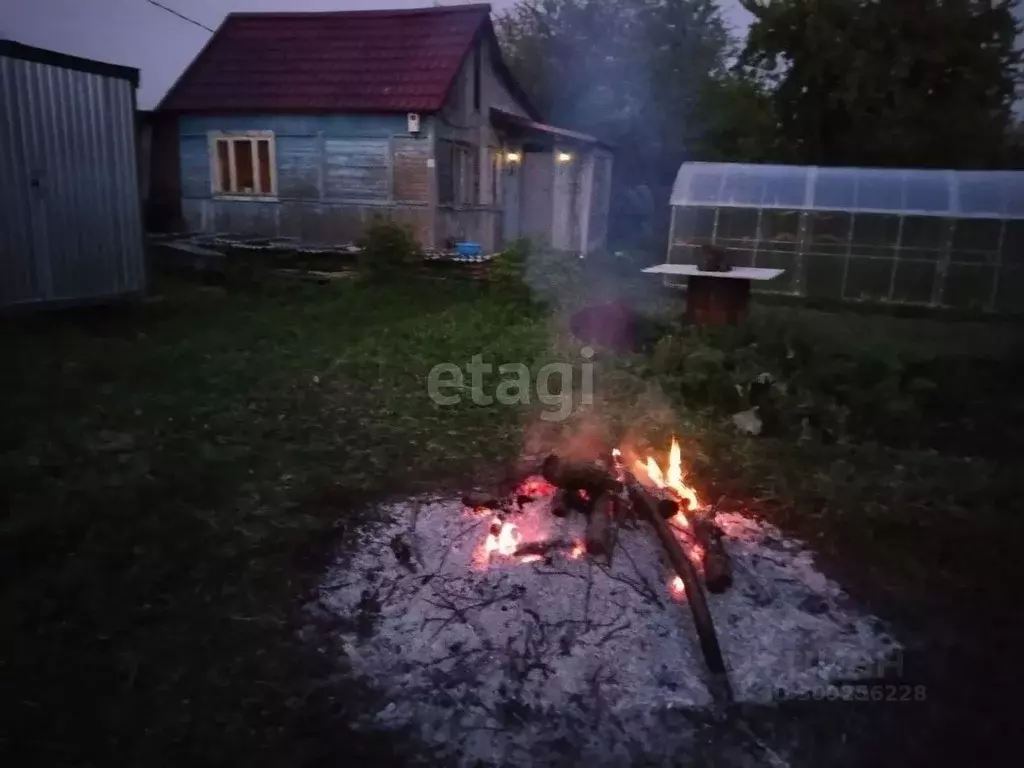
(468, 249)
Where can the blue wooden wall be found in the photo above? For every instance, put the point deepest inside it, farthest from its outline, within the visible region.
(320, 158)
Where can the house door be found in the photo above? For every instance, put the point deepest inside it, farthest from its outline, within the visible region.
(511, 188)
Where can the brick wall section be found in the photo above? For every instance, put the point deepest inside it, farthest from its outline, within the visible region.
(412, 176)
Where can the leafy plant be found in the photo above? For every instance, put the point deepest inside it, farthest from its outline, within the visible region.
(509, 267)
(388, 249)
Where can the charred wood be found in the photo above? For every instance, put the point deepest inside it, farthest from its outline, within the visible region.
(579, 476)
(695, 596)
(542, 548)
(481, 500)
(598, 536)
(560, 504)
(717, 564)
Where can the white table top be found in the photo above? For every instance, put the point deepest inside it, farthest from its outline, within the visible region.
(736, 273)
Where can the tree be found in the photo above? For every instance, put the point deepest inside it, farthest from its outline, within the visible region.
(632, 72)
(741, 125)
(911, 83)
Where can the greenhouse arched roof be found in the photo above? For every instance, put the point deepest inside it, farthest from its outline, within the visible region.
(958, 194)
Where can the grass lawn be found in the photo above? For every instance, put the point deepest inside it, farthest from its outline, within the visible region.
(172, 476)
(169, 476)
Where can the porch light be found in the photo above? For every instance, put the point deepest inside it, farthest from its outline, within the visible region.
(512, 158)
(565, 157)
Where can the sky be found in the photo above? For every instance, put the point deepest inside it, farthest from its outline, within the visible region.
(137, 34)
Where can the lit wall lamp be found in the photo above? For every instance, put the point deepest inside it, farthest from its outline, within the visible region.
(564, 157)
(513, 158)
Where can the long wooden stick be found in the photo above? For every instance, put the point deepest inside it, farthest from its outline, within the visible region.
(691, 582)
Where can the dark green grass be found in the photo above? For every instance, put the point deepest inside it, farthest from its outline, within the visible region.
(172, 476)
(169, 471)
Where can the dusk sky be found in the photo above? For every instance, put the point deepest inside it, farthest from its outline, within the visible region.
(137, 34)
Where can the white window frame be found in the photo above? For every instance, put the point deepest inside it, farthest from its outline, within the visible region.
(225, 191)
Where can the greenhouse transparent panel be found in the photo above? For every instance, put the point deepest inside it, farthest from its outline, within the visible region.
(824, 277)
(927, 192)
(968, 286)
(705, 187)
(693, 224)
(934, 238)
(1009, 290)
(780, 230)
(923, 237)
(868, 279)
(737, 227)
(1015, 195)
(975, 241)
(913, 282)
(829, 232)
(741, 185)
(835, 188)
(879, 191)
(875, 234)
(741, 188)
(1013, 243)
(981, 194)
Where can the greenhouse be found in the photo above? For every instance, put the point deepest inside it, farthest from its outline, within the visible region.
(937, 238)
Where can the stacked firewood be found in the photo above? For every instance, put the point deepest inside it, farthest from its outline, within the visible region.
(607, 494)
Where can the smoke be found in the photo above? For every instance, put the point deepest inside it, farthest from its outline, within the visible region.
(631, 73)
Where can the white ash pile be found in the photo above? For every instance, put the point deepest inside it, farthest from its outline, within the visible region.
(500, 640)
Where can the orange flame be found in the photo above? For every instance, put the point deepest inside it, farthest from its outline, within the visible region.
(505, 542)
(672, 479)
(654, 472)
(536, 486)
(577, 551)
(677, 588)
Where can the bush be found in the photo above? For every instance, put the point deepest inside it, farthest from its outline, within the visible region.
(389, 249)
(509, 267)
(553, 275)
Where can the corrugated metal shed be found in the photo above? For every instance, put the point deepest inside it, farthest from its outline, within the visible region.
(69, 185)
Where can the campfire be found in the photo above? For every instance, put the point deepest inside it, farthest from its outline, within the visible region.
(609, 494)
(593, 597)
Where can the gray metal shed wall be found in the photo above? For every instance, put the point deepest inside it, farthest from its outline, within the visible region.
(77, 236)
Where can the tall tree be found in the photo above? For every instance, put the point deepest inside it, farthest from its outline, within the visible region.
(632, 72)
(913, 83)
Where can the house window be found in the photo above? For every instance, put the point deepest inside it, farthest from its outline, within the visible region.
(458, 173)
(243, 164)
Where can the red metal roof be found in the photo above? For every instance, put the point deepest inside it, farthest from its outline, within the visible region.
(348, 61)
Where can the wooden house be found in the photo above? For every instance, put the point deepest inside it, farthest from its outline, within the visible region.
(306, 124)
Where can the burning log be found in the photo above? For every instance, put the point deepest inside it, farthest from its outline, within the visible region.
(600, 526)
(542, 548)
(691, 583)
(667, 508)
(717, 565)
(560, 506)
(563, 502)
(579, 476)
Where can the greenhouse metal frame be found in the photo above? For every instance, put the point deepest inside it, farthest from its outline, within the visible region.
(932, 238)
